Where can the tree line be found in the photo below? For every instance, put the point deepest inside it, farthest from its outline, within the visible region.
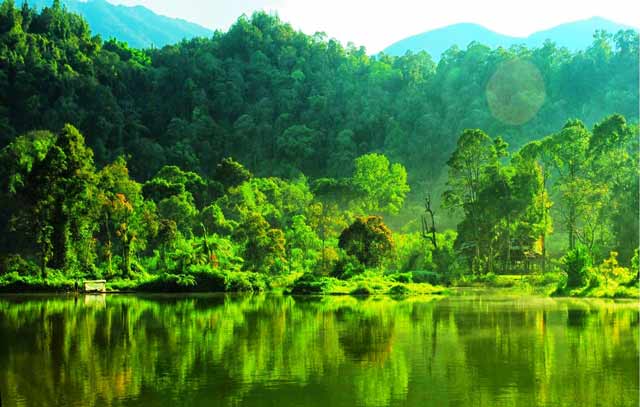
(282, 102)
(115, 162)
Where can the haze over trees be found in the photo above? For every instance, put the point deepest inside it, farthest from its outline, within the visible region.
(116, 162)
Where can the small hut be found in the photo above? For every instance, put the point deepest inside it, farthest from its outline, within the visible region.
(95, 286)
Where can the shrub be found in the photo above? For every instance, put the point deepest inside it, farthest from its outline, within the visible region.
(635, 270)
(16, 264)
(347, 267)
(246, 282)
(361, 290)
(489, 278)
(368, 239)
(56, 282)
(401, 277)
(308, 283)
(424, 276)
(577, 263)
(399, 290)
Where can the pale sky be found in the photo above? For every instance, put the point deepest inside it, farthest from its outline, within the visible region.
(377, 24)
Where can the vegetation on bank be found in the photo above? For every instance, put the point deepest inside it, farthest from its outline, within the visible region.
(355, 170)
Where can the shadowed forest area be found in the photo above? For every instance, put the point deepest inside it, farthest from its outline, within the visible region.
(263, 158)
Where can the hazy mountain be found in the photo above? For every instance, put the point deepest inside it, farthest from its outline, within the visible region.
(138, 26)
(575, 36)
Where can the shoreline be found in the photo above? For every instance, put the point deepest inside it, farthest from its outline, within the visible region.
(450, 291)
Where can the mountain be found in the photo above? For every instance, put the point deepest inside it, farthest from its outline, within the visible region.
(437, 41)
(575, 36)
(138, 26)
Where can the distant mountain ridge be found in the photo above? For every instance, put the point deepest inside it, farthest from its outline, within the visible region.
(575, 36)
(138, 26)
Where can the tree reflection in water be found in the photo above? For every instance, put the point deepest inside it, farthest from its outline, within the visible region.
(268, 350)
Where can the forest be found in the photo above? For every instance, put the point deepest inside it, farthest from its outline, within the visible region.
(264, 158)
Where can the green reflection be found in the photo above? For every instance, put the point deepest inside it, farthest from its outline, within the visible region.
(274, 350)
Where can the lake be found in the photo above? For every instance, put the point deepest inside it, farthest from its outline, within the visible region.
(271, 350)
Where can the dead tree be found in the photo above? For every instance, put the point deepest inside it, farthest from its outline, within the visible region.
(429, 229)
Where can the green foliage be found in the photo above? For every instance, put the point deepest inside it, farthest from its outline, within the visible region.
(270, 96)
(369, 240)
(55, 282)
(230, 173)
(577, 263)
(347, 266)
(402, 277)
(424, 276)
(348, 137)
(399, 290)
(383, 186)
(309, 283)
(361, 290)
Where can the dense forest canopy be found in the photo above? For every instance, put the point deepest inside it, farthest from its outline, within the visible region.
(283, 102)
(117, 160)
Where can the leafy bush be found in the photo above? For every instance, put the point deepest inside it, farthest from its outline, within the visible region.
(246, 282)
(489, 278)
(309, 283)
(56, 282)
(347, 267)
(425, 276)
(16, 264)
(361, 290)
(368, 239)
(577, 263)
(401, 277)
(399, 290)
(635, 270)
(545, 279)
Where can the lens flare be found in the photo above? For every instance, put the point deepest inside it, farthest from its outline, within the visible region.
(515, 92)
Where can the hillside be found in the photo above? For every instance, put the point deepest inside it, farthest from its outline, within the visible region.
(285, 103)
(227, 162)
(574, 36)
(138, 26)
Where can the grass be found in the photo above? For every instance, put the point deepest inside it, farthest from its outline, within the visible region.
(365, 284)
(369, 283)
(610, 289)
(55, 282)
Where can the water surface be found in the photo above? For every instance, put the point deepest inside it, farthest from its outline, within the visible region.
(215, 350)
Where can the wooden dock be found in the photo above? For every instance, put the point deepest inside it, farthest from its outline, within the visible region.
(95, 286)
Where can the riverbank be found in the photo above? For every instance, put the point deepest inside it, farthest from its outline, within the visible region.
(368, 283)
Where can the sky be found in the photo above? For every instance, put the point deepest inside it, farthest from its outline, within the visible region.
(377, 24)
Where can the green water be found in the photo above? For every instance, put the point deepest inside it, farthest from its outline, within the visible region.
(282, 351)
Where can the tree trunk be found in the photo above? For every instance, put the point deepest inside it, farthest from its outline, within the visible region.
(206, 243)
(126, 257)
(109, 245)
(545, 216)
(43, 261)
(508, 261)
(572, 226)
(60, 237)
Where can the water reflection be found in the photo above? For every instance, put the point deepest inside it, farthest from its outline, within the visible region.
(273, 350)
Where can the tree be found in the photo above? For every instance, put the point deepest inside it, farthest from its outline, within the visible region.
(230, 173)
(181, 210)
(369, 240)
(382, 187)
(126, 219)
(297, 144)
(52, 178)
(578, 191)
(613, 151)
(471, 166)
(262, 247)
(304, 247)
(577, 262)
